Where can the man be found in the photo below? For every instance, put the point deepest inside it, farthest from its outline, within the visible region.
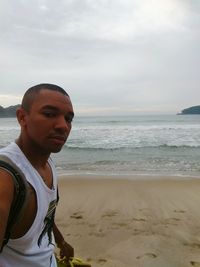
(45, 118)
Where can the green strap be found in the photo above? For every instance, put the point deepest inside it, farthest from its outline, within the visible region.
(20, 194)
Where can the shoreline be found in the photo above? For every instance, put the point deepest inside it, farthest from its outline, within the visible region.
(124, 177)
(131, 222)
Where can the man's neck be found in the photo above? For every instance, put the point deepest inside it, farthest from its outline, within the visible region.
(37, 159)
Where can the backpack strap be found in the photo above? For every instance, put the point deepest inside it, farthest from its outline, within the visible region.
(20, 195)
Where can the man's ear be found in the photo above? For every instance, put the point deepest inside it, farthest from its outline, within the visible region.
(21, 116)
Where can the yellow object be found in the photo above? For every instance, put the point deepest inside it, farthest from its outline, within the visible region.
(60, 263)
(73, 262)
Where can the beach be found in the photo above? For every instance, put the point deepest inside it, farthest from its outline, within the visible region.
(129, 189)
(131, 221)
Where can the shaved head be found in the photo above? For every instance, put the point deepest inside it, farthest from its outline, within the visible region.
(31, 94)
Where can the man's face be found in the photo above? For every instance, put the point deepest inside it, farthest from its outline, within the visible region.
(48, 123)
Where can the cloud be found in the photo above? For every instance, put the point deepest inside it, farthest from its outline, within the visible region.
(8, 100)
(109, 54)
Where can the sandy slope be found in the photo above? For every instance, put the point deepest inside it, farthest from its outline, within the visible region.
(123, 223)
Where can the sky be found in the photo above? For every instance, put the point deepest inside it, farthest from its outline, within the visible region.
(114, 57)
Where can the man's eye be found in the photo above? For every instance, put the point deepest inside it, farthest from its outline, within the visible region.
(49, 114)
(69, 119)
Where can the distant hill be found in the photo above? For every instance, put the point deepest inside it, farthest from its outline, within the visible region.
(8, 112)
(190, 110)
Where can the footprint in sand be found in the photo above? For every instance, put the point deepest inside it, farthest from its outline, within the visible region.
(175, 219)
(109, 214)
(76, 215)
(99, 234)
(192, 245)
(139, 219)
(119, 224)
(179, 211)
(195, 263)
(138, 231)
(102, 260)
(171, 221)
(149, 255)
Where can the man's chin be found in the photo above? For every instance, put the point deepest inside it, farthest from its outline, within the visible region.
(56, 150)
(49, 148)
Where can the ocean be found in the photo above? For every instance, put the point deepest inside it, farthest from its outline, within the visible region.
(161, 145)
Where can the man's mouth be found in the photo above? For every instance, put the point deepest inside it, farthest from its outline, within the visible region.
(59, 139)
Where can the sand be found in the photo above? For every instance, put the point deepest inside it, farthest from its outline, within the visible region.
(131, 223)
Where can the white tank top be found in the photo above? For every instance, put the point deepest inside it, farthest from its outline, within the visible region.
(34, 249)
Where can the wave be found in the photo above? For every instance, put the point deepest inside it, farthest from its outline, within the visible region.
(163, 146)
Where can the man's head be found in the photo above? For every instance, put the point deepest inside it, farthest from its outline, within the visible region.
(31, 94)
(45, 118)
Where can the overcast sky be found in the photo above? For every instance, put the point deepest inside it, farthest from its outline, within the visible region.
(112, 56)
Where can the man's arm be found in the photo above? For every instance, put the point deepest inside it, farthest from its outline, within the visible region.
(6, 198)
(66, 250)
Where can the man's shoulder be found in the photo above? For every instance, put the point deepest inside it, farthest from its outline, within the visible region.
(8, 148)
(12, 178)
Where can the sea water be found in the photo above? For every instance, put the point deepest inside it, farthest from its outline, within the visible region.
(126, 145)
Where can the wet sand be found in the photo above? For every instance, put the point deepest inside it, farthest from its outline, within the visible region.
(131, 223)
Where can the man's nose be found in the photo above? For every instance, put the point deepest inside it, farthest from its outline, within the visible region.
(61, 123)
